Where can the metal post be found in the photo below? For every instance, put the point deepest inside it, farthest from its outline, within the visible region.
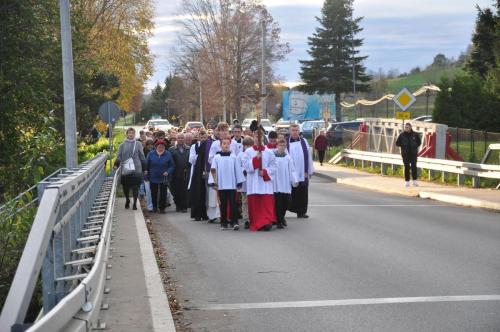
(201, 97)
(69, 86)
(387, 108)
(353, 68)
(263, 65)
(427, 94)
(224, 119)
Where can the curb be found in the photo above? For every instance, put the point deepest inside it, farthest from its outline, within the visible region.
(451, 199)
(325, 176)
(462, 201)
(158, 300)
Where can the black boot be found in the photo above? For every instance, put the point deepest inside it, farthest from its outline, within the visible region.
(127, 203)
(267, 227)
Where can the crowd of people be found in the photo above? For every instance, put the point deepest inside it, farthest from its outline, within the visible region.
(225, 175)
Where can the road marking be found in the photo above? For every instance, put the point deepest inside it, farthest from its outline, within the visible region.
(349, 302)
(375, 205)
(158, 301)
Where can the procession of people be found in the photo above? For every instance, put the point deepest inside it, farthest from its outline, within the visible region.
(225, 176)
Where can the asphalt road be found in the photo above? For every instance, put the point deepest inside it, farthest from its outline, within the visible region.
(364, 261)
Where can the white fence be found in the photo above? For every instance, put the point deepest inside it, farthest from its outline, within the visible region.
(386, 160)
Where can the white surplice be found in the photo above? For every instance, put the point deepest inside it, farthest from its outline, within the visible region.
(228, 172)
(255, 183)
(286, 176)
(297, 155)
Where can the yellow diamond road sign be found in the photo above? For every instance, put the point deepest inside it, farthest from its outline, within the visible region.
(404, 99)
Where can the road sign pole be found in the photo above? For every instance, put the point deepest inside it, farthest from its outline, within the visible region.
(68, 86)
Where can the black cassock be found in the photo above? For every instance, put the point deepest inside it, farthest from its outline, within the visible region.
(198, 189)
(180, 177)
(300, 198)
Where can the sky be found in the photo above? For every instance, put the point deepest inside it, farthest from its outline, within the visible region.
(397, 34)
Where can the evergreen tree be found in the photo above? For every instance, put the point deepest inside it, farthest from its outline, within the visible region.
(484, 40)
(334, 53)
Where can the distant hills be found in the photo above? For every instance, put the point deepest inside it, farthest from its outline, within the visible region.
(430, 75)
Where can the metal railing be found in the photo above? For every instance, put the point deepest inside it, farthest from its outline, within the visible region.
(68, 246)
(461, 169)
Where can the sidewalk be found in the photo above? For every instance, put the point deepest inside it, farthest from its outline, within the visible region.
(137, 300)
(479, 198)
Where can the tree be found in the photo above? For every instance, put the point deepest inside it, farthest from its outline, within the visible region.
(440, 61)
(465, 102)
(220, 45)
(334, 52)
(484, 40)
(472, 100)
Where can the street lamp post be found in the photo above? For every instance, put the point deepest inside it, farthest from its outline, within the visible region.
(263, 63)
(69, 86)
(201, 97)
(427, 95)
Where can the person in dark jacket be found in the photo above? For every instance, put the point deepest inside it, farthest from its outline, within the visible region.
(159, 166)
(409, 142)
(320, 144)
(180, 178)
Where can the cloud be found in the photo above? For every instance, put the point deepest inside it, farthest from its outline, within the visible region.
(398, 34)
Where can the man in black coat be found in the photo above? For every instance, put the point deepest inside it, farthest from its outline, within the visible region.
(180, 178)
(409, 141)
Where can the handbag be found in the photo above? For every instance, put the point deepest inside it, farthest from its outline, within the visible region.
(128, 165)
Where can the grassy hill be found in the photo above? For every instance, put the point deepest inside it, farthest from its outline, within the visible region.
(415, 81)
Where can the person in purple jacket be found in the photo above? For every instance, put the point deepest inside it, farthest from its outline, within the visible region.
(159, 165)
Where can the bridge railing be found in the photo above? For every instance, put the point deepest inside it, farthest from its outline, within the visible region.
(386, 160)
(68, 246)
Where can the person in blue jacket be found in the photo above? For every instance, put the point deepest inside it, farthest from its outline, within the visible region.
(159, 165)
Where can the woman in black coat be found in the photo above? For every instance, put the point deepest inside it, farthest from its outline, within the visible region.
(409, 141)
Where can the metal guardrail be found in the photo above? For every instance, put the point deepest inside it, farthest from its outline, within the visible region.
(461, 169)
(68, 243)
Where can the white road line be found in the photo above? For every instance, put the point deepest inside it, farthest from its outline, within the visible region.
(350, 302)
(375, 205)
(158, 301)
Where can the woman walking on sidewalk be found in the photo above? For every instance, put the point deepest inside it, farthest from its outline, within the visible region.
(409, 141)
(159, 165)
(321, 144)
(131, 157)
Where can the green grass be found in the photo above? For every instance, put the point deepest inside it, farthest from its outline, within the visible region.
(476, 155)
(415, 81)
(127, 120)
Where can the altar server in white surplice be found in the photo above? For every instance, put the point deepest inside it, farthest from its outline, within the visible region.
(283, 181)
(260, 165)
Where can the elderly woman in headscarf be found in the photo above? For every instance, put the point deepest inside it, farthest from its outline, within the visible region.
(159, 166)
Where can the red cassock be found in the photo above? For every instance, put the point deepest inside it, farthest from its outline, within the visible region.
(260, 194)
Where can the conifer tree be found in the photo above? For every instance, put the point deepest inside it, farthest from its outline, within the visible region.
(334, 51)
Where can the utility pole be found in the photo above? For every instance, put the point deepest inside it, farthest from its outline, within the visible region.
(201, 97)
(69, 86)
(353, 69)
(263, 64)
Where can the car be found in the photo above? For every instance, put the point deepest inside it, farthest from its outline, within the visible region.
(308, 126)
(284, 125)
(335, 133)
(424, 118)
(264, 122)
(192, 125)
(158, 124)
